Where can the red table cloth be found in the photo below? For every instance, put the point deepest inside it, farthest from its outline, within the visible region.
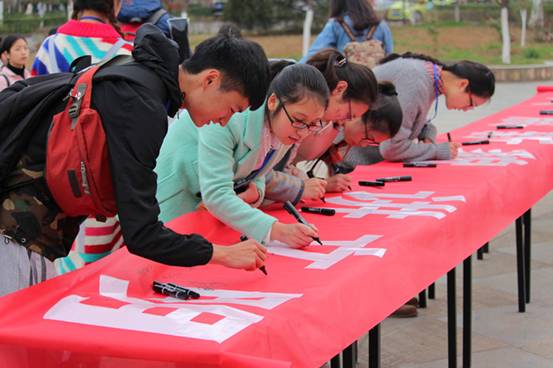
(382, 247)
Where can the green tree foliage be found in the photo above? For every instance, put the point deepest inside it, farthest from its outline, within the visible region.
(263, 15)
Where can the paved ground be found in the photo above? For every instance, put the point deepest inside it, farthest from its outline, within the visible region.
(502, 337)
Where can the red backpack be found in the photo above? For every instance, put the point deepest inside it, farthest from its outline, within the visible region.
(77, 162)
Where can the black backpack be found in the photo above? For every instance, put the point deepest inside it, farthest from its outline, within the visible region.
(26, 104)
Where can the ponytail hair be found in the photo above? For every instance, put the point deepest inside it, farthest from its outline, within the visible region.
(297, 81)
(104, 7)
(386, 115)
(276, 66)
(481, 78)
(362, 84)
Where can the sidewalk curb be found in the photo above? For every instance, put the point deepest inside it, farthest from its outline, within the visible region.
(523, 73)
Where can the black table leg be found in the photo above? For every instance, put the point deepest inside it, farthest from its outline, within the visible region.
(348, 356)
(527, 221)
(422, 299)
(486, 248)
(480, 253)
(451, 320)
(432, 291)
(467, 312)
(520, 266)
(374, 347)
(335, 362)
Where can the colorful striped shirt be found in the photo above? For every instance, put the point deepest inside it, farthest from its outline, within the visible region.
(75, 39)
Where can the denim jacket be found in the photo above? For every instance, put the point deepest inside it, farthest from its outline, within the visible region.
(334, 36)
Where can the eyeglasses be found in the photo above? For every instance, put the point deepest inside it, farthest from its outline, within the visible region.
(471, 101)
(368, 141)
(314, 128)
(350, 114)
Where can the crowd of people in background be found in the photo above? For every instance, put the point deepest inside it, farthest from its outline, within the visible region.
(250, 132)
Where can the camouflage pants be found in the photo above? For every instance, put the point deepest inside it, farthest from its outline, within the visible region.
(21, 268)
(29, 216)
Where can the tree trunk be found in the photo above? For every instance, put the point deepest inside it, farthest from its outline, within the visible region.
(536, 15)
(505, 36)
(457, 12)
(69, 9)
(307, 27)
(523, 17)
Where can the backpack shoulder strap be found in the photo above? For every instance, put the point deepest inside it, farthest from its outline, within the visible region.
(124, 67)
(113, 50)
(6, 78)
(371, 32)
(346, 28)
(154, 18)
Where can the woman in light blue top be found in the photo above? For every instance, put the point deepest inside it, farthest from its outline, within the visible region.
(360, 17)
(224, 167)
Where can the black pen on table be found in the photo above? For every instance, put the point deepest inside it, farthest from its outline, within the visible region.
(262, 268)
(289, 207)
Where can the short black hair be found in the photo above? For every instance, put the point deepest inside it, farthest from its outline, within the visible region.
(386, 115)
(243, 63)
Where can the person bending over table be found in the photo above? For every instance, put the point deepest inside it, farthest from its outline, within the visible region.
(224, 167)
(34, 230)
(332, 143)
(353, 90)
(419, 81)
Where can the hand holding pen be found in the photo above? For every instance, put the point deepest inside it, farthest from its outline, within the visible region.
(289, 207)
(453, 147)
(244, 238)
(314, 189)
(294, 235)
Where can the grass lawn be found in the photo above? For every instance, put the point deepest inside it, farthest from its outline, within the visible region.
(446, 42)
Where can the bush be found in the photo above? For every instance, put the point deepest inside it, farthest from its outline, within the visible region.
(274, 15)
(23, 24)
(531, 53)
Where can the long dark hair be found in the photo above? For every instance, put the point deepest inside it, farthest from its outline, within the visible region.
(105, 7)
(362, 84)
(297, 81)
(361, 12)
(386, 115)
(481, 78)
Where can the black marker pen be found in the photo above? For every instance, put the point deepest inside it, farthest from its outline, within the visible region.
(364, 183)
(474, 143)
(395, 178)
(510, 127)
(419, 164)
(319, 211)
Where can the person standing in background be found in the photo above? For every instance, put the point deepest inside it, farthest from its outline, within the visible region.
(15, 54)
(360, 17)
(92, 31)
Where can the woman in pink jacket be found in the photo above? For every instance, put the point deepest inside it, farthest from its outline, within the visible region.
(16, 53)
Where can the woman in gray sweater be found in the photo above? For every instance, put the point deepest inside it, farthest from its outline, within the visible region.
(419, 80)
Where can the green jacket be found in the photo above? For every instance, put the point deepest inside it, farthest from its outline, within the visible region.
(208, 161)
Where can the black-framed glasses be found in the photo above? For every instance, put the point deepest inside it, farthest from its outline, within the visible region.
(471, 101)
(350, 114)
(368, 141)
(314, 128)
